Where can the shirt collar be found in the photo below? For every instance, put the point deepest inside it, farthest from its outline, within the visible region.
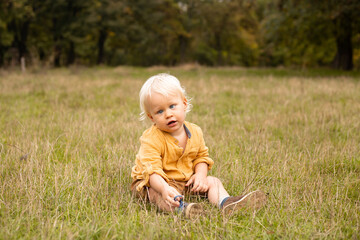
(188, 133)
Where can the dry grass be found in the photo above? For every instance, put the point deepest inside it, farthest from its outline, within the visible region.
(69, 138)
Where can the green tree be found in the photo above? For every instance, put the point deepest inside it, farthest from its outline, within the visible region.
(105, 18)
(6, 37)
(224, 31)
(58, 29)
(16, 17)
(154, 32)
(310, 32)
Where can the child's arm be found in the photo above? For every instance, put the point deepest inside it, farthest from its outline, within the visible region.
(167, 192)
(199, 179)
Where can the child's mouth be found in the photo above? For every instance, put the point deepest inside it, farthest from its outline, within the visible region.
(171, 123)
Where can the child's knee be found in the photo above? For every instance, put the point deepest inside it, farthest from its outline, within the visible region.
(153, 195)
(213, 181)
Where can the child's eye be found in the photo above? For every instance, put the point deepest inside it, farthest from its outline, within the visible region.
(159, 112)
(172, 106)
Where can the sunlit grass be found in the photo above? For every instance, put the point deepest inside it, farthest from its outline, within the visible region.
(68, 139)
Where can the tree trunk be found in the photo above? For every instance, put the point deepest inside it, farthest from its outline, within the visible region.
(101, 43)
(72, 10)
(71, 54)
(218, 47)
(24, 29)
(343, 33)
(183, 43)
(1, 56)
(20, 38)
(57, 55)
(57, 43)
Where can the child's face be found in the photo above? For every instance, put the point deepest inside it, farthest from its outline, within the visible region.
(168, 113)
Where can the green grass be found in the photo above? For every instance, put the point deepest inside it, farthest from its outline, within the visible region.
(294, 134)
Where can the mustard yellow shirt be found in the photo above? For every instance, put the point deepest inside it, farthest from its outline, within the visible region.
(160, 153)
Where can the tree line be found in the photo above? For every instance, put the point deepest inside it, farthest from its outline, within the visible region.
(302, 33)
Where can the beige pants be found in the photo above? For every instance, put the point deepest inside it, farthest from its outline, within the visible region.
(178, 185)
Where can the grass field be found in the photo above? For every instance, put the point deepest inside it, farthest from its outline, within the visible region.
(69, 137)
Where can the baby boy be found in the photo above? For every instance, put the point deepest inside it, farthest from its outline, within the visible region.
(173, 159)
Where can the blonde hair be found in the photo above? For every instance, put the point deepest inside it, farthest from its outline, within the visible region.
(164, 84)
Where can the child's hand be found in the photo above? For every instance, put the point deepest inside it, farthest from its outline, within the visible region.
(199, 181)
(168, 195)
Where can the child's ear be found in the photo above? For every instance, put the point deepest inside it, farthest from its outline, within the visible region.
(149, 116)
(185, 103)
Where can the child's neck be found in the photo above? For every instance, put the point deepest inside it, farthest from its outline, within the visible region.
(181, 136)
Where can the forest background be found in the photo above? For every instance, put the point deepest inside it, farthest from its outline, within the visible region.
(286, 33)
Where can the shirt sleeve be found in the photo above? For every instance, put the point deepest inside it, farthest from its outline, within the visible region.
(149, 161)
(203, 154)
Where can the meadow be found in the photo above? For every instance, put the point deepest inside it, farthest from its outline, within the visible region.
(68, 139)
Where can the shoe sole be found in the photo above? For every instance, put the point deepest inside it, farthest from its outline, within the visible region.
(193, 210)
(253, 200)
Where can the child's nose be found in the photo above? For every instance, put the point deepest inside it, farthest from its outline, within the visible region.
(168, 113)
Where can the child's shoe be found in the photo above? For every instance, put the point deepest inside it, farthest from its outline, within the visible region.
(253, 200)
(190, 210)
(193, 210)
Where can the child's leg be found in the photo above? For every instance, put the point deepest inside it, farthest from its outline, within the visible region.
(190, 210)
(162, 194)
(150, 194)
(219, 196)
(157, 199)
(216, 191)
